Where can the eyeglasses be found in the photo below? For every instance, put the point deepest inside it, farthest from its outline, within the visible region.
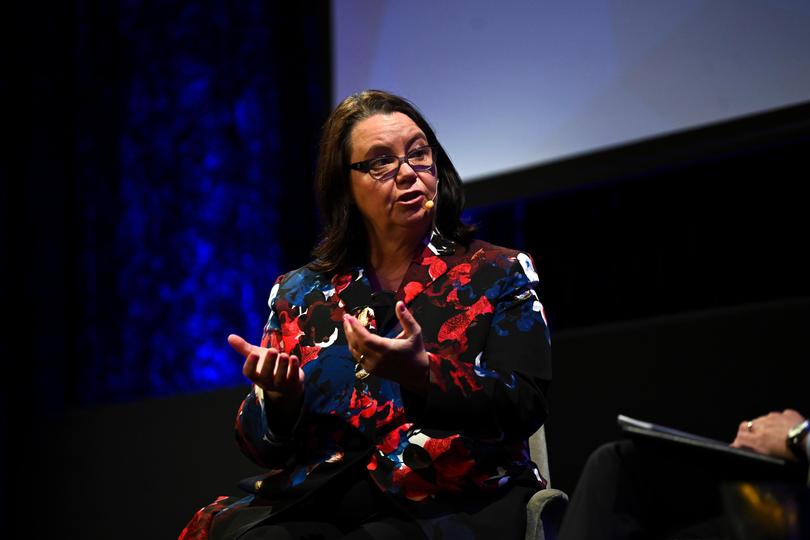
(385, 167)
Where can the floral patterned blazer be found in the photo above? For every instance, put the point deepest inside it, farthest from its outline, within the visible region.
(489, 350)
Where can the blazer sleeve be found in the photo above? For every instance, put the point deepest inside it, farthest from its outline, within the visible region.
(502, 393)
(253, 434)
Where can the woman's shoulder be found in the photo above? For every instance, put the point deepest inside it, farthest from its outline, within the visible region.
(308, 279)
(300, 276)
(510, 260)
(478, 248)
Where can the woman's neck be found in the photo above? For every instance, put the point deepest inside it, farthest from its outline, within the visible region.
(390, 256)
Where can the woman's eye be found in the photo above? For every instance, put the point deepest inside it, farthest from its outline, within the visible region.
(382, 161)
(420, 154)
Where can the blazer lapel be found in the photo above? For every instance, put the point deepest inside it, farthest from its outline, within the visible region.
(353, 290)
(426, 267)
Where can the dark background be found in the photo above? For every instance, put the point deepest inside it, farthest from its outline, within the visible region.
(162, 159)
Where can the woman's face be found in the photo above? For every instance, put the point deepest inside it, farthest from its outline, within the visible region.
(399, 201)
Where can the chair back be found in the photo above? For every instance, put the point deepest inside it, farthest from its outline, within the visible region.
(539, 452)
(545, 510)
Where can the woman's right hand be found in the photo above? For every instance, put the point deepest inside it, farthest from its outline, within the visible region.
(279, 375)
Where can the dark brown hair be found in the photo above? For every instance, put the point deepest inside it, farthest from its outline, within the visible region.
(343, 242)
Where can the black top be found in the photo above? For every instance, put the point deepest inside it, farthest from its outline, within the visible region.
(383, 303)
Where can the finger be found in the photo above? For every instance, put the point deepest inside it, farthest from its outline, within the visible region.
(358, 338)
(300, 372)
(240, 345)
(363, 340)
(742, 435)
(409, 324)
(295, 375)
(249, 367)
(353, 341)
(794, 413)
(740, 444)
(267, 362)
(292, 370)
(351, 337)
(347, 329)
(745, 440)
(280, 370)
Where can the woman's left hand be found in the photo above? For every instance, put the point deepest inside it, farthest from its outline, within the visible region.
(402, 359)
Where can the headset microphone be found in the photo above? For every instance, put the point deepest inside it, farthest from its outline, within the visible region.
(430, 204)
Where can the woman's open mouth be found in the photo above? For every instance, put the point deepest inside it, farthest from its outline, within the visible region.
(411, 197)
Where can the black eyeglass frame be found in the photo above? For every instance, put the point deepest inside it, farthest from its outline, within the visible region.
(365, 166)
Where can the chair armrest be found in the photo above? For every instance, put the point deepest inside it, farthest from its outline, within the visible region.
(544, 514)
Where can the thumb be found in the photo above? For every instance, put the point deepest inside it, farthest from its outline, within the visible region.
(409, 324)
(240, 345)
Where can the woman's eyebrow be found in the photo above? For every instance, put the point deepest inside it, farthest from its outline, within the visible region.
(380, 149)
(416, 138)
(384, 149)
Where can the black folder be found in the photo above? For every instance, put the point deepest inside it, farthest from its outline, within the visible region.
(725, 461)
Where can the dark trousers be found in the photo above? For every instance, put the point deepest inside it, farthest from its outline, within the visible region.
(630, 491)
(351, 507)
(384, 529)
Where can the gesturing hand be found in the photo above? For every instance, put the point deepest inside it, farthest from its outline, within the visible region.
(279, 375)
(402, 359)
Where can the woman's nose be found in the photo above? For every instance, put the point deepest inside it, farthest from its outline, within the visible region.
(405, 173)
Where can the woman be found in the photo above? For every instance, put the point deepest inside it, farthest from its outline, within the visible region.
(401, 372)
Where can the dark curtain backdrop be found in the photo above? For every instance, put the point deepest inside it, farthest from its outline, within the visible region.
(158, 181)
(164, 180)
